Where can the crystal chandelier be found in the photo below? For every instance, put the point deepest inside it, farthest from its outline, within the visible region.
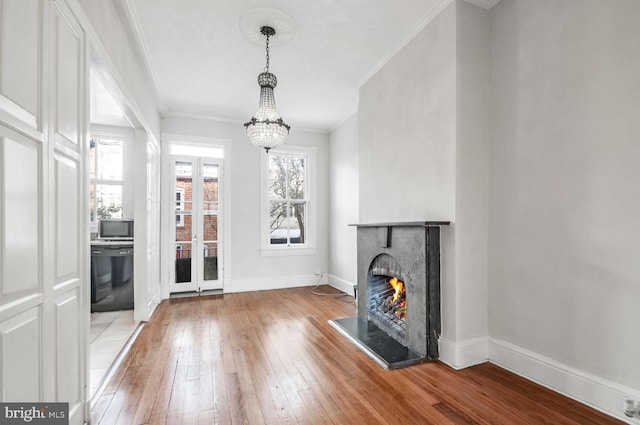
(266, 129)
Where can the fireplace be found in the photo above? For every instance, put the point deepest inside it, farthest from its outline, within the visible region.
(398, 286)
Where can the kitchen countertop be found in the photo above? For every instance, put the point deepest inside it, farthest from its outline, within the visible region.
(103, 242)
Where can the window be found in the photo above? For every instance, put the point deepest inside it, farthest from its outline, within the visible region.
(106, 163)
(288, 223)
(179, 206)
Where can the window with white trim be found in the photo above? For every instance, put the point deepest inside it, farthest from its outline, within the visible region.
(288, 183)
(106, 171)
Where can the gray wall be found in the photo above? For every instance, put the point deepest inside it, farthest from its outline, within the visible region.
(407, 128)
(343, 210)
(472, 172)
(564, 275)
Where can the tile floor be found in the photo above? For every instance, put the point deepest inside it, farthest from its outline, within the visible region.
(109, 333)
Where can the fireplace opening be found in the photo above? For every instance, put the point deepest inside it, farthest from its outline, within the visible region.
(387, 297)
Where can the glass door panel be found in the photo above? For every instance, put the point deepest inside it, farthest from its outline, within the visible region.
(197, 225)
(210, 226)
(184, 231)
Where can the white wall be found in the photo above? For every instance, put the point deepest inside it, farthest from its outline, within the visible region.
(564, 275)
(249, 269)
(120, 59)
(343, 181)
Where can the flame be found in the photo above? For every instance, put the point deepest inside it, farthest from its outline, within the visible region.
(398, 287)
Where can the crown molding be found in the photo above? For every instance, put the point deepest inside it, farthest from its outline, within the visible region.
(203, 117)
(485, 4)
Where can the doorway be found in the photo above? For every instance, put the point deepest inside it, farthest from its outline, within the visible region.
(196, 230)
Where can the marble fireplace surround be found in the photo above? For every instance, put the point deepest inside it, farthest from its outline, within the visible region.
(415, 251)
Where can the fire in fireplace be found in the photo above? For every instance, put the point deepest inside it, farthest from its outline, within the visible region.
(394, 305)
(388, 305)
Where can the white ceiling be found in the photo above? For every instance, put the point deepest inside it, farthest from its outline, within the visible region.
(203, 65)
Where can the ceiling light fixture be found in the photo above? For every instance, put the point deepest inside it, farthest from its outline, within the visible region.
(266, 129)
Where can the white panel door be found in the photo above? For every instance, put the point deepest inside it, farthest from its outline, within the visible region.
(66, 294)
(147, 229)
(22, 158)
(43, 251)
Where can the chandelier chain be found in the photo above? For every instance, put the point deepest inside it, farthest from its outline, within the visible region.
(266, 68)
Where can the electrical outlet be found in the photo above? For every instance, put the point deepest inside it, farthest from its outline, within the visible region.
(317, 272)
(630, 407)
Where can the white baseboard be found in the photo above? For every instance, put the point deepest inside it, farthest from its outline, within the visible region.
(341, 284)
(263, 284)
(599, 393)
(464, 354)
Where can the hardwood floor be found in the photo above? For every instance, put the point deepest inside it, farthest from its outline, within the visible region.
(270, 357)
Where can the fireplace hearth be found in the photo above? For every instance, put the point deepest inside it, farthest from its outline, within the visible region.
(398, 321)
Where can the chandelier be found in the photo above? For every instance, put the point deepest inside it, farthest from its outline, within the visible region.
(266, 129)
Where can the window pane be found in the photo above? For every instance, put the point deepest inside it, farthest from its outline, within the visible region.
(109, 200)
(109, 159)
(92, 197)
(297, 223)
(210, 227)
(183, 186)
(183, 262)
(210, 186)
(179, 207)
(278, 233)
(296, 170)
(183, 226)
(210, 257)
(92, 159)
(277, 177)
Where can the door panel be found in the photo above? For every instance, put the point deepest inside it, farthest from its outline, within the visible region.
(21, 367)
(67, 178)
(67, 72)
(147, 215)
(184, 231)
(21, 188)
(210, 225)
(68, 347)
(67, 231)
(20, 59)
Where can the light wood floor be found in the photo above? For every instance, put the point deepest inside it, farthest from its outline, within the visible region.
(271, 358)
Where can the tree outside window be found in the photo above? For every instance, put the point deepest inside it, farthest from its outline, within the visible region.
(287, 193)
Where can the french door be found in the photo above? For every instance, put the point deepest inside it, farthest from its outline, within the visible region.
(196, 232)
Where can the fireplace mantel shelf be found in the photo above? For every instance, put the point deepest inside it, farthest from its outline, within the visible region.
(405, 224)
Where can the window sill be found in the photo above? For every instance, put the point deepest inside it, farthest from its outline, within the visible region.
(286, 250)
